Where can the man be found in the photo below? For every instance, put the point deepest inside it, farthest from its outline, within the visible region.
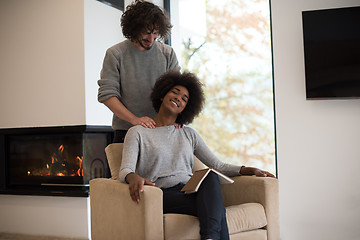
(131, 67)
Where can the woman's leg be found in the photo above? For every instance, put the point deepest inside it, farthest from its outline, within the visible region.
(211, 210)
(206, 204)
(175, 201)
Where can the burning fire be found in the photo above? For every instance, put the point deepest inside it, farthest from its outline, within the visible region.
(80, 171)
(60, 165)
(61, 148)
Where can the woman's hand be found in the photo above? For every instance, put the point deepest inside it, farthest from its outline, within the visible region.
(255, 171)
(262, 173)
(136, 185)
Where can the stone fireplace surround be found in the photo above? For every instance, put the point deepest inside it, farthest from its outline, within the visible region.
(52, 161)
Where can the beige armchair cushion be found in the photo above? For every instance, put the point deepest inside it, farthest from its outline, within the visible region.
(114, 156)
(245, 217)
(240, 218)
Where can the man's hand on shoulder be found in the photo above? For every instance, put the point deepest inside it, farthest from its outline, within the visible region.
(144, 121)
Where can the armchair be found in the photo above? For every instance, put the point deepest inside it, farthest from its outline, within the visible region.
(252, 209)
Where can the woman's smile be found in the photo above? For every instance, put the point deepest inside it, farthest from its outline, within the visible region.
(175, 103)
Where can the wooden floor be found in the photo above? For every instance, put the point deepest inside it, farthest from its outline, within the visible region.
(14, 236)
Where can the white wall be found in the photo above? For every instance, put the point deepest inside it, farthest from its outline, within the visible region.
(317, 141)
(51, 67)
(102, 30)
(42, 63)
(48, 216)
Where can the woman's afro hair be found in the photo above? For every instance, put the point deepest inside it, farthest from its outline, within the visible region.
(196, 101)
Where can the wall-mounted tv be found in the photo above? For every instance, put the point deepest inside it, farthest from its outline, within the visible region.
(119, 4)
(332, 53)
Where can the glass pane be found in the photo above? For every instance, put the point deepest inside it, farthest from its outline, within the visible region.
(228, 45)
(39, 159)
(55, 157)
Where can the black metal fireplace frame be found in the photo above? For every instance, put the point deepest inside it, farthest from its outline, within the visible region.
(46, 190)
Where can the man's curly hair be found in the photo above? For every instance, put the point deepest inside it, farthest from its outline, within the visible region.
(196, 101)
(141, 16)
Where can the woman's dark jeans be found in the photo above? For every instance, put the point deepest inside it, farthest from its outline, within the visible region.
(206, 204)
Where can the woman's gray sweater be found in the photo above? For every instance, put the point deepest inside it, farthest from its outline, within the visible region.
(165, 155)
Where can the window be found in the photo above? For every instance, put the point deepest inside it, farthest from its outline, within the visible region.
(228, 45)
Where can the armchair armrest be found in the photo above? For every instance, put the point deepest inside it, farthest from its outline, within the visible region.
(115, 216)
(247, 189)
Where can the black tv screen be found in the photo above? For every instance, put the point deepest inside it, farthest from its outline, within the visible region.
(332, 53)
(119, 4)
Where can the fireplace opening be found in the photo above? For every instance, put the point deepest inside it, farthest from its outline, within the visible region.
(54, 161)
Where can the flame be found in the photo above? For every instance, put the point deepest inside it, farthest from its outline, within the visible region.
(61, 148)
(48, 169)
(80, 171)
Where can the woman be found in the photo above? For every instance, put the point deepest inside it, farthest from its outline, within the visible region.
(163, 156)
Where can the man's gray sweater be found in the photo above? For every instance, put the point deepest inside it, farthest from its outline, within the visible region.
(130, 74)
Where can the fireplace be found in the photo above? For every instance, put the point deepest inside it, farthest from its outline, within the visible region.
(53, 161)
